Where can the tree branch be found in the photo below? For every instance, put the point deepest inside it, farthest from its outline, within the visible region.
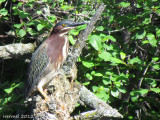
(15, 50)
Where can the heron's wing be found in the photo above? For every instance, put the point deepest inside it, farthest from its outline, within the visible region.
(37, 67)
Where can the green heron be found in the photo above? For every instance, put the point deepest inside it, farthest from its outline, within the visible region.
(48, 58)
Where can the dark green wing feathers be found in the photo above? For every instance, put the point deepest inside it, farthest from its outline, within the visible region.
(37, 67)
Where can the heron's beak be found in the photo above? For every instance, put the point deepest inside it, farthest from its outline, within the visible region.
(75, 24)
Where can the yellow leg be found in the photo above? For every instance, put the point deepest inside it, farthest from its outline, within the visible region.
(40, 89)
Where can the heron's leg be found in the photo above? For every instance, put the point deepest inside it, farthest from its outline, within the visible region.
(40, 89)
(45, 80)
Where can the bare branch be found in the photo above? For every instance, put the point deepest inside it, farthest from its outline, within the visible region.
(15, 50)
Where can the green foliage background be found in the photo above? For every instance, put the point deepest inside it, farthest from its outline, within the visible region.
(120, 62)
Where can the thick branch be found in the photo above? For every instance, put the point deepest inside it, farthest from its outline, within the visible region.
(15, 50)
(102, 109)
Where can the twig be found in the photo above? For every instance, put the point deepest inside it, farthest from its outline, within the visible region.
(144, 73)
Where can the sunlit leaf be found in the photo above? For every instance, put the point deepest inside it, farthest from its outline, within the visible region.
(151, 82)
(140, 34)
(139, 92)
(124, 4)
(39, 12)
(122, 89)
(158, 33)
(123, 55)
(88, 64)
(95, 41)
(109, 37)
(22, 32)
(135, 60)
(151, 39)
(99, 28)
(3, 12)
(66, 7)
(2, 1)
(89, 76)
(17, 25)
(40, 27)
(95, 88)
(105, 55)
(157, 90)
(106, 80)
(71, 40)
(114, 92)
(116, 60)
(155, 59)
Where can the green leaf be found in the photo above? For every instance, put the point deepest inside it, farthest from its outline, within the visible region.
(134, 99)
(146, 21)
(103, 95)
(31, 31)
(155, 59)
(86, 83)
(19, 4)
(157, 90)
(39, 12)
(151, 82)
(124, 4)
(23, 14)
(114, 92)
(145, 42)
(2, 1)
(116, 60)
(89, 76)
(138, 5)
(13, 86)
(123, 55)
(109, 37)
(122, 89)
(40, 27)
(9, 90)
(105, 55)
(140, 34)
(106, 80)
(158, 11)
(6, 100)
(88, 64)
(151, 39)
(139, 92)
(158, 33)
(98, 74)
(95, 88)
(117, 83)
(99, 28)
(71, 40)
(22, 33)
(135, 60)
(66, 7)
(156, 66)
(73, 32)
(95, 41)
(52, 18)
(17, 25)
(3, 12)
(81, 27)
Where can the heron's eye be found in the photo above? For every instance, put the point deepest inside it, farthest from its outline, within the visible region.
(63, 25)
